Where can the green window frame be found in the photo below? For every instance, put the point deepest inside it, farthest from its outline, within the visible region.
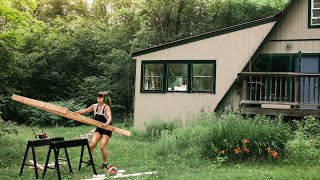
(179, 76)
(314, 13)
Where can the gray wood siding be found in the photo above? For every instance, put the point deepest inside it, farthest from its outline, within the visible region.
(294, 30)
(231, 52)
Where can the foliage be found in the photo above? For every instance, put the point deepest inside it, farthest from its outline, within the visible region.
(43, 118)
(155, 129)
(309, 126)
(301, 150)
(7, 127)
(304, 147)
(232, 135)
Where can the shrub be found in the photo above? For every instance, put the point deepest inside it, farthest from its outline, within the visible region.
(43, 118)
(258, 137)
(189, 141)
(231, 136)
(302, 150)
(309, 126)
(304, 147)
(155, 129)
(7, 127)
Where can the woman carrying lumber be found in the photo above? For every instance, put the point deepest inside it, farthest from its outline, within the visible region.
(102, 113)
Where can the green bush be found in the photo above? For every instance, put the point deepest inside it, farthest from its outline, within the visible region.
(210, 137)
(309, 126)
(191, 140)
(155, 129)
(7, 127)
(261, 132)
(302, 150)
(304, 147)
(43, 118)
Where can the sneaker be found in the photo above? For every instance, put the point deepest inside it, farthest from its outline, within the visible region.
(104, 166)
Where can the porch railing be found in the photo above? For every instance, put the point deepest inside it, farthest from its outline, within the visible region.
(286, 88)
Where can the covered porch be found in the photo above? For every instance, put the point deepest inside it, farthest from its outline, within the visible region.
(286, 93)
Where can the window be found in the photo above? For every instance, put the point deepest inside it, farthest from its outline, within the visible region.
(178, 76)
(202, 77)
(153, 77)
(314, 13)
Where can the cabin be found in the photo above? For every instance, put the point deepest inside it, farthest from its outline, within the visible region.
(268, 66)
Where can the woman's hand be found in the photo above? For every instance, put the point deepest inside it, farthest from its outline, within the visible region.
(83, 111)
(104, 125)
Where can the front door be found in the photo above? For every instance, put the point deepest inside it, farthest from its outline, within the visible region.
(309, 92)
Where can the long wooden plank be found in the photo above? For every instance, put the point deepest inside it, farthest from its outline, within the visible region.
(64, 112)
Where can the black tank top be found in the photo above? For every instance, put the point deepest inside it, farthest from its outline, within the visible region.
(100, 116)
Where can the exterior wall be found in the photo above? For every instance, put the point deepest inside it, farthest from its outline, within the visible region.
(294, 30)
(233, 100)
(231, 52)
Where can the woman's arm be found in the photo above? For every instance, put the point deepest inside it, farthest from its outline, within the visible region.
(108, 114)
(83, 111)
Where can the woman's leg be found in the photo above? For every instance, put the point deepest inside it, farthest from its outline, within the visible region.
(103, 147)
(94, 140)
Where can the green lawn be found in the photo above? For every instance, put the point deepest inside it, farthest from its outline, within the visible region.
(134, 156)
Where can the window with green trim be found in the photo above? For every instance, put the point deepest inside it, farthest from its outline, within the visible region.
(178, 76)
(202, 77)
(152, 78)
(314, 13)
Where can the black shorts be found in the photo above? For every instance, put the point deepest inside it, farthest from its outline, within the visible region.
(103, 131)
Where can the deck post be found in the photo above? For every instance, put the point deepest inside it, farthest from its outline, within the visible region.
(244, 88)
(296, 91)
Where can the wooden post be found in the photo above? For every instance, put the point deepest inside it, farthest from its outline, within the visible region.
(296, 91)
(64, 112)
(244, 89)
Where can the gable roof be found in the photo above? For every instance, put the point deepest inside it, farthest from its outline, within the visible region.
(282, 16)
(206, 35)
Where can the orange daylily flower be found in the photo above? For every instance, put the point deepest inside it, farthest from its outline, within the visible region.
(269, 149)
(245, 141)
(222, 152)
(237, 150)
(245, 149)
(274, 154)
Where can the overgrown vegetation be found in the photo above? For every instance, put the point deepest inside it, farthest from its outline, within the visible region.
(235, 138)
(231, 136)
(304, 147)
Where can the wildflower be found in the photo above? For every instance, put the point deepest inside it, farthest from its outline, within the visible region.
(245, 141)
(237, 150)
(269, 149)
(245, 149)
(222, 152)
(274, 154)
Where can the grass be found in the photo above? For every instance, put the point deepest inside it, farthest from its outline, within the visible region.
(136, 154)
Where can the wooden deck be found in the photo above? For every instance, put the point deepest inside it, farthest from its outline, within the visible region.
(286, 93)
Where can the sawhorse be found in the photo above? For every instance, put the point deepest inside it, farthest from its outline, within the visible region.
(33, 144)
(56, 145)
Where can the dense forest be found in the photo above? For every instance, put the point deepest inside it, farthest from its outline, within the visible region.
(65, 51)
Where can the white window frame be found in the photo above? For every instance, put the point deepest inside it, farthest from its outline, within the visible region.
(311, 11)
